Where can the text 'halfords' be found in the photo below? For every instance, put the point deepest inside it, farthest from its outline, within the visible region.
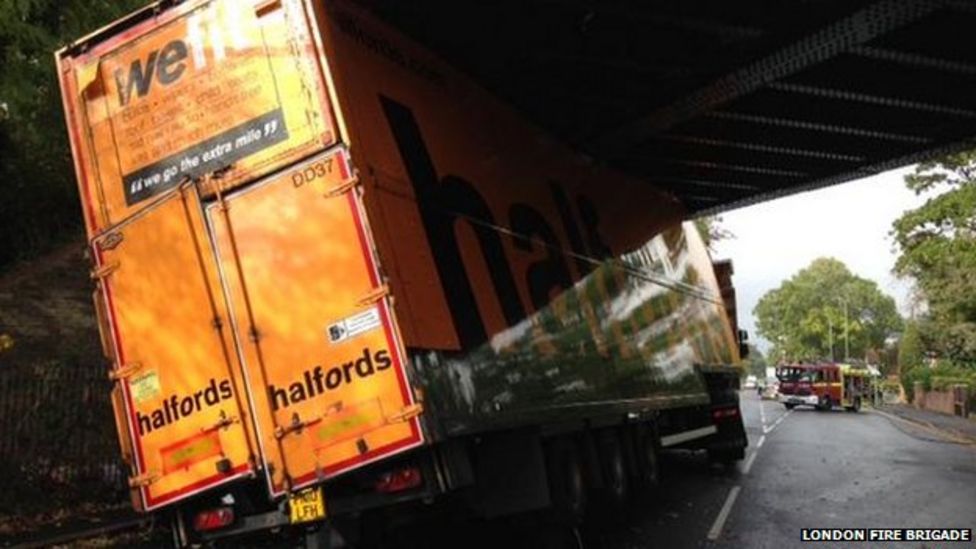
(176, 407)
(318, 380)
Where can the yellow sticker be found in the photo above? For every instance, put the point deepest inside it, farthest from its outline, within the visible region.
(144, 387)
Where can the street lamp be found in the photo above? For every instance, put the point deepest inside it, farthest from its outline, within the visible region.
(830, 336)
(847, 337)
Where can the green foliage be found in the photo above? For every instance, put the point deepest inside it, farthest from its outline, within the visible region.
(910, 354)
(939, 378)
(711, 231)
(40, 204)
(937, 242)
(800, 316)
(755, 363)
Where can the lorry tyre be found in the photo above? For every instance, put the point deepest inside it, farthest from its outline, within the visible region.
(614, 468)
(649, 472)
(567, 484)
(826, 405)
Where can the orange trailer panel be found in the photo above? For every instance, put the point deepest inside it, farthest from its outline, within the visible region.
(315, 323)
(183, 401)
(205, 86)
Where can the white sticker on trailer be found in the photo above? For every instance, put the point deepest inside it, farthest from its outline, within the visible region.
(144, 387)
(352, 326)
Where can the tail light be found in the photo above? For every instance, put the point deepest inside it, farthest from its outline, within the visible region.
(399, 480)
(724, 413)
(213, 519)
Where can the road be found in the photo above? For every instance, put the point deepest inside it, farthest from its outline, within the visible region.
(804, 469)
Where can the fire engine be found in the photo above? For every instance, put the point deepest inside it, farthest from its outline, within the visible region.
(823, 386)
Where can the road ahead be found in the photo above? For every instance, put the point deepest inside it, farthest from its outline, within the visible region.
(804, 469)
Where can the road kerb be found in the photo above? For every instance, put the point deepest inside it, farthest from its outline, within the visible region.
(928, 427)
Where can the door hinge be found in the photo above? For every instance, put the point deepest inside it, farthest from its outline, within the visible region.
(406, 413)
(110, 241)
(376, 294)
(105, 270)
(144, 479)
(124, 371)
(341, 188)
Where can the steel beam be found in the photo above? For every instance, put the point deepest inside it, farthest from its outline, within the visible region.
(817, 127)
(668, 181)
(915, 60)
(865, 171)
(756, 170)
(894, 102)
(760, 147)
(861, 27)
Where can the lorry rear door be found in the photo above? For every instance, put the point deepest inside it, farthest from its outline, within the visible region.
(314, 322)
(182, 396)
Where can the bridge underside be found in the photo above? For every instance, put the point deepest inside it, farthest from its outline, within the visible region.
(722, 102)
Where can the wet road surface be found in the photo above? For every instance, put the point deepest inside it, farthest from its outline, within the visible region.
(803, 469)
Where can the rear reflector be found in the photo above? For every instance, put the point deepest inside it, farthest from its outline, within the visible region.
(723, 413)
(212, 519)
(399, 480)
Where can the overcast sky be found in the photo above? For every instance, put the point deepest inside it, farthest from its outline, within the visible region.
(850, 222)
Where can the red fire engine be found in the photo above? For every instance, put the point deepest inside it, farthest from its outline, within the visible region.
(823, 386)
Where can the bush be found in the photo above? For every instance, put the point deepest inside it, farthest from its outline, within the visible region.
(940, 378)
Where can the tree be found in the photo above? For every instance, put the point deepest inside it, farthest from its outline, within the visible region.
(937, 243)
(755, 363)
(910, 353)
(807, 313)
(711, 231)
(40, 204)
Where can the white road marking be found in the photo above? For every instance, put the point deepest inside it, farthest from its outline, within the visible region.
(766, 430)
(762, 413)
(749, 461)
(760, 443)
(723, 514)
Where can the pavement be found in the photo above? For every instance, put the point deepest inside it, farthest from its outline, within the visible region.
(954, 427)
(803, 469)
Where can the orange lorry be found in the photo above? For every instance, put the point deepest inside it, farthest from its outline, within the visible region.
(333, 277)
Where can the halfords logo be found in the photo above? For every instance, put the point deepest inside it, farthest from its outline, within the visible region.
(178, 407)
(318, 380)
(205, 31)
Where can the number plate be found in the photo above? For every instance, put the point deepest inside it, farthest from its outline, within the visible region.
(307, 505)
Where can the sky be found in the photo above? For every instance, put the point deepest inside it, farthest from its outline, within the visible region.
(850, 222)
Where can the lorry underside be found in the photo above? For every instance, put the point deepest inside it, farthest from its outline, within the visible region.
(567, 470)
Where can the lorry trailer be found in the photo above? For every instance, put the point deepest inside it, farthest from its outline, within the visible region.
(335, 280)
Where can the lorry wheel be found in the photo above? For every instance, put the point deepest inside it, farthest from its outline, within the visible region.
(650, 473)
(178, 531)
(567, 485)
(614, 468)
